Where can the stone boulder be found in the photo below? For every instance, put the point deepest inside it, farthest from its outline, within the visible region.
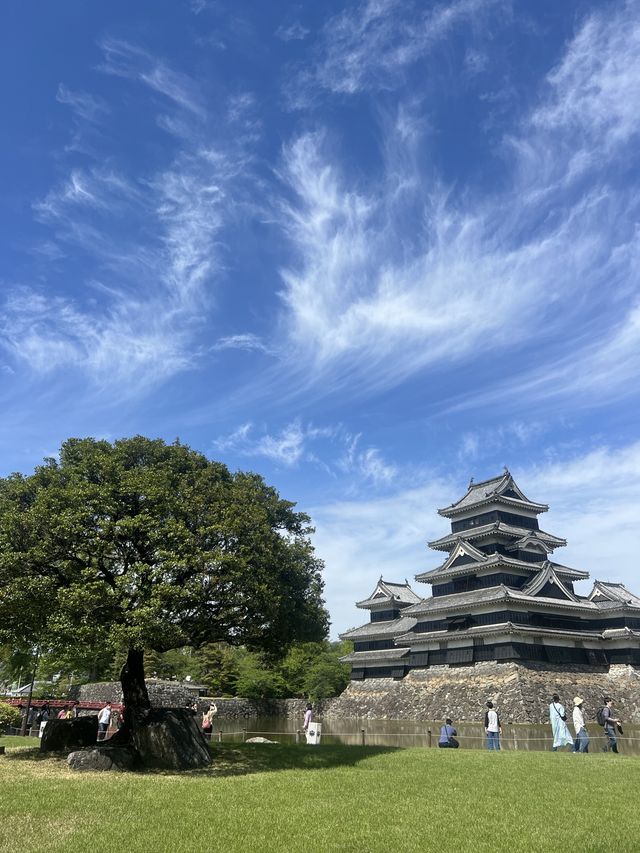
(63, 735)
(260, 740)
(102, 758)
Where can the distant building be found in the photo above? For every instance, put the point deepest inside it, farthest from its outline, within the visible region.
(498, 596)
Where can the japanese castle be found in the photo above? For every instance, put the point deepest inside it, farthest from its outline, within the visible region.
(498, 596)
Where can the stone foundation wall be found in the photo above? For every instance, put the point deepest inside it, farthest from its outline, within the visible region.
(521, 693)
(171, 694)
(163, 694)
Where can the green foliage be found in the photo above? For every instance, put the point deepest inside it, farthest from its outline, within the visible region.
(255, 681)
(139, 544)
(217, 665)
(9, 716)
(314, 669)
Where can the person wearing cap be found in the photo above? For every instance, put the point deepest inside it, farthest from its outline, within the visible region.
(582, 738)
(610, 721)
(557, 717)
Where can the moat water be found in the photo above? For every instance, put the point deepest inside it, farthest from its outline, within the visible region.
(404, 733)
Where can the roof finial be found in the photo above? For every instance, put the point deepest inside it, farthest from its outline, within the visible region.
(506, 470)
(471, 482)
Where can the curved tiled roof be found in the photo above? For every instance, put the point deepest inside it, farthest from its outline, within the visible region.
(494, 527)
(496, 628)
(389, 593)
(460, 602)
(492, 490)
(379, 630)
(378, 655)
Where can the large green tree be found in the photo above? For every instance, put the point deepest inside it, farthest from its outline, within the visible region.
(140, 545)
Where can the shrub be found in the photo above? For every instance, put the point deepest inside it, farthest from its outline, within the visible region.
(9, 716)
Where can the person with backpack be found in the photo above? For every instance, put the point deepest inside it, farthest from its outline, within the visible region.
(558, 719)
(448, 734)
(492, 727)
(608, 721)
(582, 736)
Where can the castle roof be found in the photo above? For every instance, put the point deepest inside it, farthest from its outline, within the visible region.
(500, 528)
(498, 628)
(502, 489)
(613, 592)
(377, 655)
(379, 630)
(461, 602)
(387, 593)
(476, 560)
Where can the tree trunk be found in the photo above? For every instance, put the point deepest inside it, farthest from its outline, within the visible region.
(162, 737)
(134, 690)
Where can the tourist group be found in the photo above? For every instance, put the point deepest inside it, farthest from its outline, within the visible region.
(606, 717)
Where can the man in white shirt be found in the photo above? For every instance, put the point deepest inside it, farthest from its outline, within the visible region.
(104, 720)
(492, 727)
(582, 738)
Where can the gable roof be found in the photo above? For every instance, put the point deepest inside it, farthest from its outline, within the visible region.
(548, 575)
(503, 489)
(495, 527)
(387, 593)
(615, 592)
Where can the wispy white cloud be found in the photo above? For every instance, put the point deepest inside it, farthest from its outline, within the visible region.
(509, 438)
(369, 45)
(367, 463)
(248, 342)
(123, 59)
(292, 32)
(600, 371)
(333, 448)
(402, 275)
(152, 252)
(86, 106)
(595, 89)
(286, 447)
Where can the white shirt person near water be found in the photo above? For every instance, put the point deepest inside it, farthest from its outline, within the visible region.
(558, 717)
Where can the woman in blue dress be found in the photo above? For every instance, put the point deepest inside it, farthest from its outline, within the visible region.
(558, 717)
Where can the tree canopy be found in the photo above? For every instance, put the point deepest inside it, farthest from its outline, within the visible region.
(137, 544)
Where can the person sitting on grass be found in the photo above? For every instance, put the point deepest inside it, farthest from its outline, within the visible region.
(447, 736)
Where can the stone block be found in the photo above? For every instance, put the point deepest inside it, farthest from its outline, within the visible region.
(63, 735)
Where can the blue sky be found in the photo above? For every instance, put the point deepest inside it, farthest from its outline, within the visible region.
(369, 250)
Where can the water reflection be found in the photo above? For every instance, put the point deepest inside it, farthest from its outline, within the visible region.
(403, 733)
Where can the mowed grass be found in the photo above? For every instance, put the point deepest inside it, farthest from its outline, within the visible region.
(327, 798)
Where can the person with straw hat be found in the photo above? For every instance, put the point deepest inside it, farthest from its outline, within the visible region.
(582, 737)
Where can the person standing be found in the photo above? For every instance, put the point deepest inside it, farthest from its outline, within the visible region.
(207, 720)
(610, 722)
(104, 721)
(492, 727)
(558, 719)
(447, 739)
(308, 717)
(582, 737)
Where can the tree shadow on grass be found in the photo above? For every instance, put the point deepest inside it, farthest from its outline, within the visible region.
(239, 759)
(246, 759)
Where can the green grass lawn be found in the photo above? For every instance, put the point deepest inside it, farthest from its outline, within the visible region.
(328, 798)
